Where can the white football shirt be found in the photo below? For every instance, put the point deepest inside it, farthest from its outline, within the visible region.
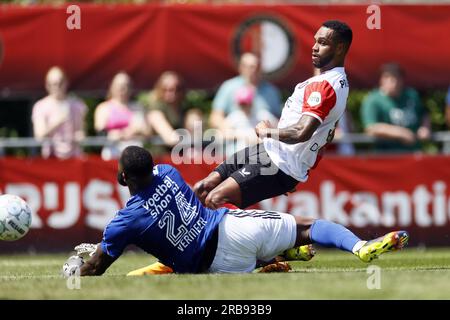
(323, 97)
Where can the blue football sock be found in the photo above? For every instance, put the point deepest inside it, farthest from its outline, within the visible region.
(330, 234)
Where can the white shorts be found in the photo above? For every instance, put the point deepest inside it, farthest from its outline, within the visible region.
(246, 236)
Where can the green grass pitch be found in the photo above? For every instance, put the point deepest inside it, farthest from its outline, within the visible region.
(409, 274)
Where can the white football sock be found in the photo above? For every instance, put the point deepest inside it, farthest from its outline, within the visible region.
(358, 245)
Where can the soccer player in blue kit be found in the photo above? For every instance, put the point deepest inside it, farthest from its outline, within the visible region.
(166, 219)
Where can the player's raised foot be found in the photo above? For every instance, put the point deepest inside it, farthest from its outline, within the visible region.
(300, 253)
(392, 241)
(155, 268)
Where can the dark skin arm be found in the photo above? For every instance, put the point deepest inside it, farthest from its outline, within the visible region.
(97, 264)
(300, 132)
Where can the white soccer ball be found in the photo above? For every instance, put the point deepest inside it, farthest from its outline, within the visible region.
(15, 217)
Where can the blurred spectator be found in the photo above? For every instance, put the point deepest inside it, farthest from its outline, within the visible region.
(267, 96)
(59, 117)
(395, 113)
(345, 125)
(447, 109)
(166, 109)
(120, 119)
(241, 122)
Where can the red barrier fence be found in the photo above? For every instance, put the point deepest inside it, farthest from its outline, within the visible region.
(202, 42)
(75, 199)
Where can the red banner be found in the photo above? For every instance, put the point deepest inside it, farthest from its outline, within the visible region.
(202, 42)
(73, 200)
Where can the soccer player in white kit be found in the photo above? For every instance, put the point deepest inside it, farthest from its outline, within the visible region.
(307, 124)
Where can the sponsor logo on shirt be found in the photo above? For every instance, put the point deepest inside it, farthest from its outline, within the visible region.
(314, 99)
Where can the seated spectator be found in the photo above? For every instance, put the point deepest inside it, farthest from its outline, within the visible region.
(267, 96)
(166, 111)
(394, 113)
(345, 126)
(242, 121)
(121, 120)
(59, 117)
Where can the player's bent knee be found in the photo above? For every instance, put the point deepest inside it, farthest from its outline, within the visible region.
(198, 187)
(207, 184)
(212, 181)
(214, 199)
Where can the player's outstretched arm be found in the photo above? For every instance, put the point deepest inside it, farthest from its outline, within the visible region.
(300, 132)
(97, 264)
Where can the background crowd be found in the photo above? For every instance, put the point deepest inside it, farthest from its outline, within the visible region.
(393, 113)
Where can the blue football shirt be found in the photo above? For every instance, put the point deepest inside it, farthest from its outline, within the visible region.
(166, 220)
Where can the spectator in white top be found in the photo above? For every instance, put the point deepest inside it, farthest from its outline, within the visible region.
(59, 117)
(242, 121)
(266, 97)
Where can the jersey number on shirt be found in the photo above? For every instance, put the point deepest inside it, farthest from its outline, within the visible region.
(187, 213)
(169, 218)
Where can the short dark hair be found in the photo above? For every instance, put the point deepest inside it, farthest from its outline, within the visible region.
(137, 164)
(342, 32)
(392, 68)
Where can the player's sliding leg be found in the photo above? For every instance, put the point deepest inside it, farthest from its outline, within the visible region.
(392, 241)
(303, 250)
(228, 191)
(300, 253)
(244, 179)
(330, 234)
(155, 268)
(203, 187)
(219, 188)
